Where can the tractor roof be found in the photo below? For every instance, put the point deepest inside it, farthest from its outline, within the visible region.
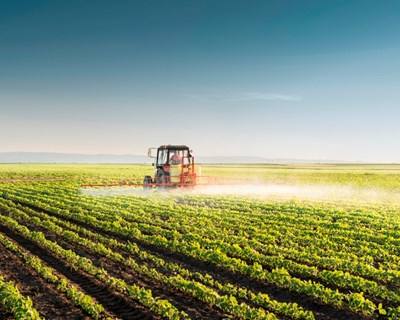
(174, 147)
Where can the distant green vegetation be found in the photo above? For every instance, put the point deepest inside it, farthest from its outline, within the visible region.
(376, 176)
(371, 176)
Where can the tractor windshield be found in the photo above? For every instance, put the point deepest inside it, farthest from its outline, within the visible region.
(173, 157)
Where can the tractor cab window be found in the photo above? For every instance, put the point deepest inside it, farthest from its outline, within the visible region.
(162, 157)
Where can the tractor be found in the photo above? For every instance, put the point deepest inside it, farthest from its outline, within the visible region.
(174, 167)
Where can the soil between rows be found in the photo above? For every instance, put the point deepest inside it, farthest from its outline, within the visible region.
(50, 303)
(114, 303)
(322, 311)
(4, 315)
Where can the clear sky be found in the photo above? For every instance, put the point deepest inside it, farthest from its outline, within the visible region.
(277, 79)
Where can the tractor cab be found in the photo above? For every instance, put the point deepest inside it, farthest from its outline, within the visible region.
(174, 167)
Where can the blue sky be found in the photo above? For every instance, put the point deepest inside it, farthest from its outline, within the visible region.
(277, 79)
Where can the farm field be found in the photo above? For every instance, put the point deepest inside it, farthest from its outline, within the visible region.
(286, 251)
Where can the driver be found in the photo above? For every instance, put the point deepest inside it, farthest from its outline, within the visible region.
(176, 158)
(175, 167)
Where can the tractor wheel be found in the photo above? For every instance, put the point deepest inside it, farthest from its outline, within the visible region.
(162, 179)
(147, 183)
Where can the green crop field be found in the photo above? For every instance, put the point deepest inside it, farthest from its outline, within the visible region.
(311, 242)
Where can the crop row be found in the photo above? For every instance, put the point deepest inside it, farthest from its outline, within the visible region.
(13, 301)
(105, 246)
(226, 303)
(302, 246)
(62, 284)
(247, 252)
(245, 248)
(362, 253)
(354, 302)
(144, 296)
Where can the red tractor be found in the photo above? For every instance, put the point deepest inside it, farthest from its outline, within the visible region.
(174, 167)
